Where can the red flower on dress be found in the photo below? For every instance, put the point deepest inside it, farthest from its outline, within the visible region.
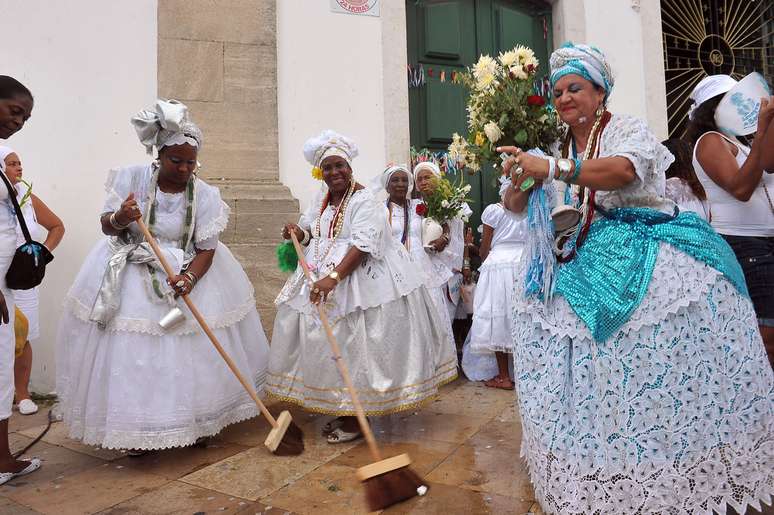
(421, 209)
(536, 100)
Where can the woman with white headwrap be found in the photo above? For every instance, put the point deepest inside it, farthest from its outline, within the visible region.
(124, 380)
(740, 193)
(406, 224)
(449, 249)
(43, 226)
(382, 316)
(642, 382)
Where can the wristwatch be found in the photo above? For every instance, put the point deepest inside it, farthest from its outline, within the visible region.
(335, 276)
(565, 167)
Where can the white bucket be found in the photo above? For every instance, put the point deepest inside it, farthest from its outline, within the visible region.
(737, 112)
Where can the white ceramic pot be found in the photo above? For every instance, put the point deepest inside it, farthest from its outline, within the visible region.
(737, 112)
(431, 231)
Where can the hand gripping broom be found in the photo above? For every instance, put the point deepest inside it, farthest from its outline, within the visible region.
(387, 481)
(285, 437)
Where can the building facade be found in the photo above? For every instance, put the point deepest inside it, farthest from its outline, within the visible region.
(260, 76)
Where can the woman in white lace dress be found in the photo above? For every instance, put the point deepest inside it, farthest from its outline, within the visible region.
(382, 315)
(406, 225)
(447, 258)
(126, 382)
(642, 383)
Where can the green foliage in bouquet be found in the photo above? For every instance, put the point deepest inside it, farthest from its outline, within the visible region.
(503, 109)
(447, 199)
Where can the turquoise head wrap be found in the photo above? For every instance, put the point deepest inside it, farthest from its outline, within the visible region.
(587, 61)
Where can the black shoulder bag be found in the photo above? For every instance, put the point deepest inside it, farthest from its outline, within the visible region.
(29, 262)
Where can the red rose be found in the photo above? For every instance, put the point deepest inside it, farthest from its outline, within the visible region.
(421, 209)
(536, 100)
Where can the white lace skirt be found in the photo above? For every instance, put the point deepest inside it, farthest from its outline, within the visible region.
(397, 354)
(133, 386)
(672, 414)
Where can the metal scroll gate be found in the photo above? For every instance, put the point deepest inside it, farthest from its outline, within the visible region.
(708, 37)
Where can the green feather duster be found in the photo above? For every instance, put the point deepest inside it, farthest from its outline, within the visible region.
(287, 259)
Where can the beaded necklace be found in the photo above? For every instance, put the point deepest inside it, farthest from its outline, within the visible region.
(585, 195)
(186, 236)
(336, 225)
(404, 239)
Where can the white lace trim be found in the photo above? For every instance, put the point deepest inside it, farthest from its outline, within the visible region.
(215, 226)
(678, 281)
(152, 327)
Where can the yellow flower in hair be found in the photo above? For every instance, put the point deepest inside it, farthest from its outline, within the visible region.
(317, 173)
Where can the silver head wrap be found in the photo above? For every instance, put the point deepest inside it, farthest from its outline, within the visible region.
(329, 143)
(587, 61)
(166, 124)
(380, 182)
(427, 165)
(709, 87)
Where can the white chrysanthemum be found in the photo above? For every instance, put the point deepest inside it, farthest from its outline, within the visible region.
(509, 58)
(484, 67)
(458, 148)
(493, 132)
(518, 72)
(525, 54)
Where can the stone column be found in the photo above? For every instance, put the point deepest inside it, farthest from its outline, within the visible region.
(220, 58)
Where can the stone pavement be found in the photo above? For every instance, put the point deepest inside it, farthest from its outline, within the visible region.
(466, 444)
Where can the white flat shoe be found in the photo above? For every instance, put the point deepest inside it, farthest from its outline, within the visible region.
(338, 435)
(32, 467)
(27, 407)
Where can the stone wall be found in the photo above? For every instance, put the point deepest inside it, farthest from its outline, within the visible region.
(220, 58)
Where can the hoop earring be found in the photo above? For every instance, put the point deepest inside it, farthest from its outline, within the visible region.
(600, 110)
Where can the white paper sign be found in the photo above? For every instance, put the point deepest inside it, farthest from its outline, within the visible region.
(361, 7)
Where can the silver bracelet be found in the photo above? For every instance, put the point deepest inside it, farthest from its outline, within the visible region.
(114, 222)
(551, 170)
(307, 237)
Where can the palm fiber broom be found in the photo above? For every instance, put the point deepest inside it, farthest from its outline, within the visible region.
(285, 437)
(387, 481)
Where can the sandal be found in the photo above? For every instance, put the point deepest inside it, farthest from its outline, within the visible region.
(34, 464)
(338, 435)
(136, 453)
(332, 426)
(500, 383)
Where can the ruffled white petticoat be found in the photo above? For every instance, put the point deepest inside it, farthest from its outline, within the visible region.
(672, 414)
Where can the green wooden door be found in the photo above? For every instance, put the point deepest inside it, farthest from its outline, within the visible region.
(447, 36)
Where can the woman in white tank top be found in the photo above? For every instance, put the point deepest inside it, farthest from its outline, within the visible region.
(740, 193)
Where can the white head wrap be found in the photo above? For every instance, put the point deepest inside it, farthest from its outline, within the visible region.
(329, 143)
(380, 182)
(166, 124)
(709, 87)
(587, 61)
(5, 152)
(427, 165)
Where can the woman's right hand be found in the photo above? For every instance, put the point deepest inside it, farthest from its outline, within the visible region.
(296, 230)
(765, 116)
(4, 317)
(129, 211)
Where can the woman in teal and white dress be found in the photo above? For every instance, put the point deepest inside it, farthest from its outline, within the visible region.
(642, 382)
(124, 381)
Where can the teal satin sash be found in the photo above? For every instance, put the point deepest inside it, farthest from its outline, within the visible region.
(610, 274)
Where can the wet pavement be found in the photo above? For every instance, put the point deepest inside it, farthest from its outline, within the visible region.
(465, 444)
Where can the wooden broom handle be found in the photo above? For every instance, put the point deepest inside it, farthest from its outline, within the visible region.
(206, 328)
(343, 370)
